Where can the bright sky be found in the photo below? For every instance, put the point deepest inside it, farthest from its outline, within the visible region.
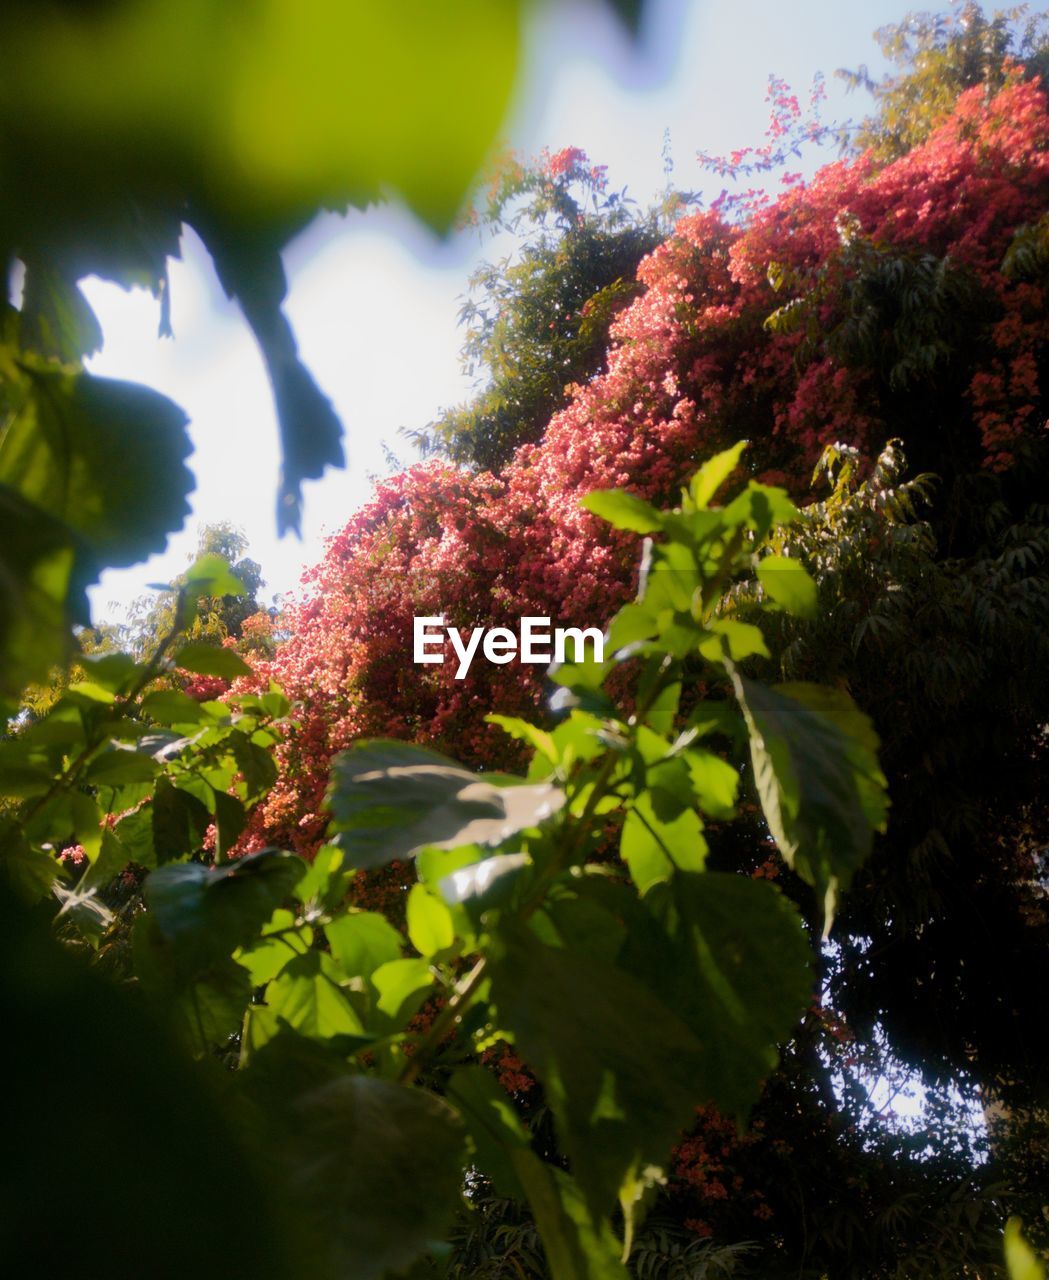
(374, 296)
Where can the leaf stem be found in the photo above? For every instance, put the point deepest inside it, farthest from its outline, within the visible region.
(443, 1023)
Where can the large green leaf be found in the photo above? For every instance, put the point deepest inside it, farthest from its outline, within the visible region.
(38, 604)
(147, 1127)
(376, 1170)
(713, 474)
(178, 820)
(817, 776)
(734, 964)
(361, 941)
(208, 912)
(56, 319)
(621, 1072)
(107, 458)
(307, 996)
(623, 510)
(575, 1247)
(211, 660)
(788, 583)
(391, 798)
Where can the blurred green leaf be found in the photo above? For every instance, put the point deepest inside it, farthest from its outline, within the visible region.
(789, 584)
(162, 1128)
(623, 510)
(1020, 1258)
(107, 458)
(713, 474)
(211, 660)
(38, 600)
(430, 927)
(391, 798)
(375, 1169)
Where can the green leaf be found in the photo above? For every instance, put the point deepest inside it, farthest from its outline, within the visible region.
(112, 671)
(713, 474)
(254, 763)
(230, 820)
(107, 458)
(401, 987)
(114, 855)
(493, 1125)
(391, 798)
(274, 703)
(633, 622)
(208, 912)
(164, 1125)
(375, 1168)
(30, 873)
(525, 732)
(652, 847)
(211, 575)
(211, 1009)
(307, 995)
(715, 783)
(623, 510)
(326, 880)
(430, 926)
(740, 640)
(597, 1039)
(135, 833)
(211, 660)
(818, 779)
(361, 941)
(23, 771)
(736, 970)
(38, 599)
(789, 584)
(179, 821)
(89, 692)
(835, 706)
(1020, 1258)
(56, 319)
(760, 508)
(87, 823)
(172, 706)
(118, 765)
(669, 579)
(266, 959)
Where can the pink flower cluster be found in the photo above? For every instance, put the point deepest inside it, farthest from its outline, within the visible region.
(692, 368)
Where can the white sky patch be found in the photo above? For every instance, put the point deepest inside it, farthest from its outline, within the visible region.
(374, 296)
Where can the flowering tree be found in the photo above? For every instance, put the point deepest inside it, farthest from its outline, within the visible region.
(538, 321)
(876, 301)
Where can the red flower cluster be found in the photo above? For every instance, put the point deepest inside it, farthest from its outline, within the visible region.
(692, 368)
